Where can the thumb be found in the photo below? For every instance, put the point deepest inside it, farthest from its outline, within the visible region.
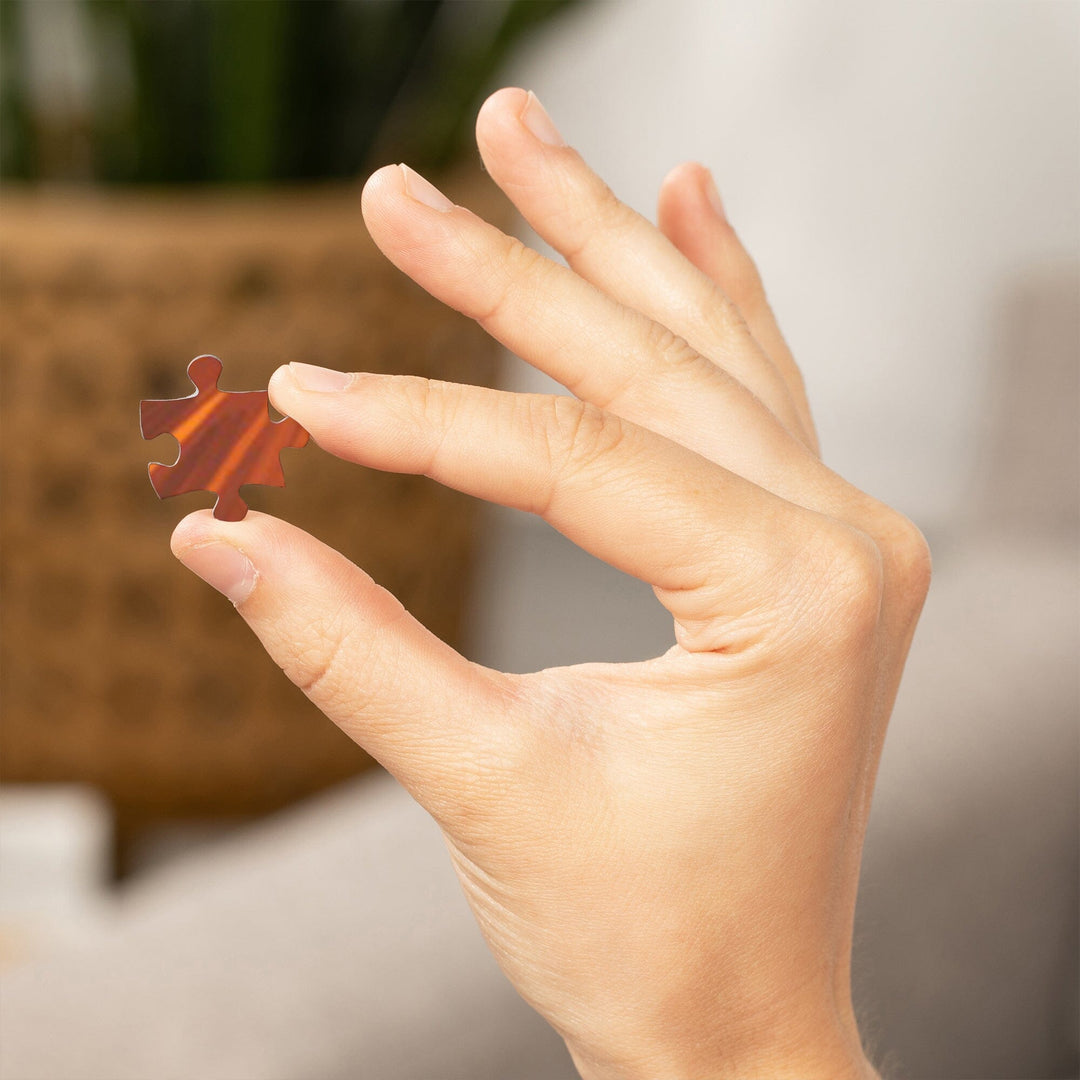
(435, 720)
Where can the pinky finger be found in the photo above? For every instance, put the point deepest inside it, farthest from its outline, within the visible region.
(691, 217)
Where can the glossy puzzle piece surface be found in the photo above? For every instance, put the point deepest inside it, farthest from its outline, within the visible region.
(226, 439)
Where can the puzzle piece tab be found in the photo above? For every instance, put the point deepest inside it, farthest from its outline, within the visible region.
(226, 440)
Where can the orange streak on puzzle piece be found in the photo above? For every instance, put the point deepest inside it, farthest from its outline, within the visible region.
(234, 457)
(189, 426)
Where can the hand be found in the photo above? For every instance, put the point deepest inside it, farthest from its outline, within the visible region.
(663, 856)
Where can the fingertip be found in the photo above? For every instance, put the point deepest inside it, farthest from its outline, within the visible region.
(689, 188)
(389, 180)
(690, 214)
(280, 388)
(385, 174)
(507, 102)
(201, 527)
(512, 129)
(191, 531)
(282, 376)
(686, 173)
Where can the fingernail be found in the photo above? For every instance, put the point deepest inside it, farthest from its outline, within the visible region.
(714, 196)
(534, 116)
(313, 377)
(416, 187)
(224, 567)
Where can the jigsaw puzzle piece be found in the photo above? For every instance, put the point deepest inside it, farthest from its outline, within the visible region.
(230, 506)
(226, 440)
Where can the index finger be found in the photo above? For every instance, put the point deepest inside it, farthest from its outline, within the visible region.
(715, 545)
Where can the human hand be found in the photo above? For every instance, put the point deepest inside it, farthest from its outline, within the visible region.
(663, 856)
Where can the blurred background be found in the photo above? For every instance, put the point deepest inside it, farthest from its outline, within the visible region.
(200, 876)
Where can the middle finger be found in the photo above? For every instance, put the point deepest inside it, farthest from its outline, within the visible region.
(604, 352)
(618, 250)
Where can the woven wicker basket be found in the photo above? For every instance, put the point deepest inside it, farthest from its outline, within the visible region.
(119, 668)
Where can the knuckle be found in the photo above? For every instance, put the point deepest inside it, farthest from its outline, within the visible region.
(336, 661)
(669, 349)
(592, 210)
(615, 216)
(744, 286)
(519, 260)
(315, 664)
(576, 434)
(507, 268)
(429, 408)
(725, 314)
(314, 659)
(413, 400)
(439, 404)
(908, 563)
(416, 395)
(847, 569)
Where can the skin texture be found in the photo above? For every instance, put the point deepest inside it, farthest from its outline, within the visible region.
(663, 856)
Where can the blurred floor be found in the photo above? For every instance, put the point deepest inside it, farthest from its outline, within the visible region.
(327, 942)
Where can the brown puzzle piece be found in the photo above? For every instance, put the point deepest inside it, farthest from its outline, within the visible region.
(226, 440)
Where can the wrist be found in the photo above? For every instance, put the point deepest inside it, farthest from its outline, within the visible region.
(810, 1063)
(828, 1051)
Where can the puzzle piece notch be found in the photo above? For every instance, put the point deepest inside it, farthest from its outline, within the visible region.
(226, 439)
